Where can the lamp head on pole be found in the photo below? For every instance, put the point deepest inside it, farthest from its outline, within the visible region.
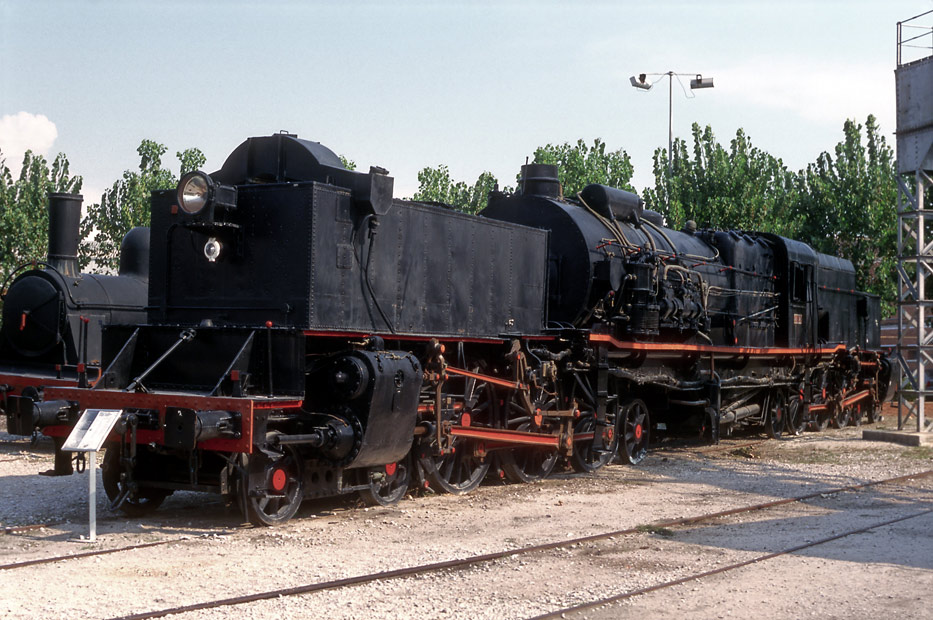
(640, 82)
(701, 82)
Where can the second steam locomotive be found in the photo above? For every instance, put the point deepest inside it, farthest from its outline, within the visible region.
(306, 334)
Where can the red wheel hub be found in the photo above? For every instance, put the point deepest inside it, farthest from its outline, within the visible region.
(390, 469)
(279, 479)
(638, 431)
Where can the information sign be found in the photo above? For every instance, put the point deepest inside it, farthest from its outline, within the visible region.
(92, 430)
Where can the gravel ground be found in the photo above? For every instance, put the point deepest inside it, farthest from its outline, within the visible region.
(887, 570)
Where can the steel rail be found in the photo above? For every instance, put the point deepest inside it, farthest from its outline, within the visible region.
(90, 554)
(86, 554)
(496, 555)
(561, 613)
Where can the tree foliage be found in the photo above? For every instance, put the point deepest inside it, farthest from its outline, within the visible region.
(740, 188)
(435, 185)
(578, 165)
(24, 207)
(126, 204)
(846, 207)
(842, 204)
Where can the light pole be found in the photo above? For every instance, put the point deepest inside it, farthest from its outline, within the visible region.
(641, 82)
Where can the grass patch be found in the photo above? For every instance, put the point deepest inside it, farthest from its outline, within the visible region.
(655, 529)
(746, 452)
(920, 453)
(810, 457)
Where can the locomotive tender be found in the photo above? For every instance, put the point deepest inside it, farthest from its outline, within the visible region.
(53, 317)
(309, 335)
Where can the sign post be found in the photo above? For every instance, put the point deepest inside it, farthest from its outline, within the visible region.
(89, 435)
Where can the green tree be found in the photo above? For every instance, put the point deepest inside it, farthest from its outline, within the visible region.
(578, 165)
(349, 164)
(24, 207)
(435, 185)
(847, 207)
(126, 204)
(739, 188)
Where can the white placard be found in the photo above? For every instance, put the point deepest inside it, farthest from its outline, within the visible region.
(92, 430)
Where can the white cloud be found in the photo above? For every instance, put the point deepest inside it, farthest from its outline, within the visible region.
(24, 131)
(818, 91)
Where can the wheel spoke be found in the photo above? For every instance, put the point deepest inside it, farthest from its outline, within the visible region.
(636, 421)
(266, 506)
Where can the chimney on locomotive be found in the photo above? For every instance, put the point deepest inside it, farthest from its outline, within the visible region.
(64, 235)
(540, 180)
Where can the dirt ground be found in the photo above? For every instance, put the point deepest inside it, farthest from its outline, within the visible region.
(886, 571)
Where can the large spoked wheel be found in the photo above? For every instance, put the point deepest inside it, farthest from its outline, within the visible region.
(797, 417)
(459, 472)
(634, 432)
(277, 488)
(387, 483)
(777, 409)
(874, 412)
(822, 421)
(841, 417)
(856, 418)
(138, 502)
(585, 458)
(709, 427)
(528, 463)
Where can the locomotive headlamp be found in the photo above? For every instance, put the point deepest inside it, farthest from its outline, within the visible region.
(197, 193)
(212, 249)
(193, 192)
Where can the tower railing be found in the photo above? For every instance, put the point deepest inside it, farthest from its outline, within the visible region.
(914, 353)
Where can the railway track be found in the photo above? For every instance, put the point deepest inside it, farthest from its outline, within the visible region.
(562, 613)
(87, 554)
(673, 449)
(426, 569)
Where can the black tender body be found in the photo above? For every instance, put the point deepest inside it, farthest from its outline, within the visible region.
(306, 255)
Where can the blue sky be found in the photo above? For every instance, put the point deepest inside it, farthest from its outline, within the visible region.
(404, 85)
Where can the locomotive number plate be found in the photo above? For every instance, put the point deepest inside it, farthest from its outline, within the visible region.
(92, 429)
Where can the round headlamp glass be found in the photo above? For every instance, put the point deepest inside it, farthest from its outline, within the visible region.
(194, 192)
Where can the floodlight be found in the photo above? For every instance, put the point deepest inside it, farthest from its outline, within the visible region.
(640, 82)
(700, 82)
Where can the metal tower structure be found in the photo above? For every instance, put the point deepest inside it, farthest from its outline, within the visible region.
(914, 78)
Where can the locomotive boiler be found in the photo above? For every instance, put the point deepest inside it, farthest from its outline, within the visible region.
(307, 334)
(53, 316)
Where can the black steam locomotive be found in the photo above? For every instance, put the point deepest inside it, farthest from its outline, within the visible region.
(52, 321)
(308, 335)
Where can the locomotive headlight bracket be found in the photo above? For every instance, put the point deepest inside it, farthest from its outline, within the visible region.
(199, 196)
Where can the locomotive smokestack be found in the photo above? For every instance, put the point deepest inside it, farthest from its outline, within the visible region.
(540, 180)
(64, 221)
